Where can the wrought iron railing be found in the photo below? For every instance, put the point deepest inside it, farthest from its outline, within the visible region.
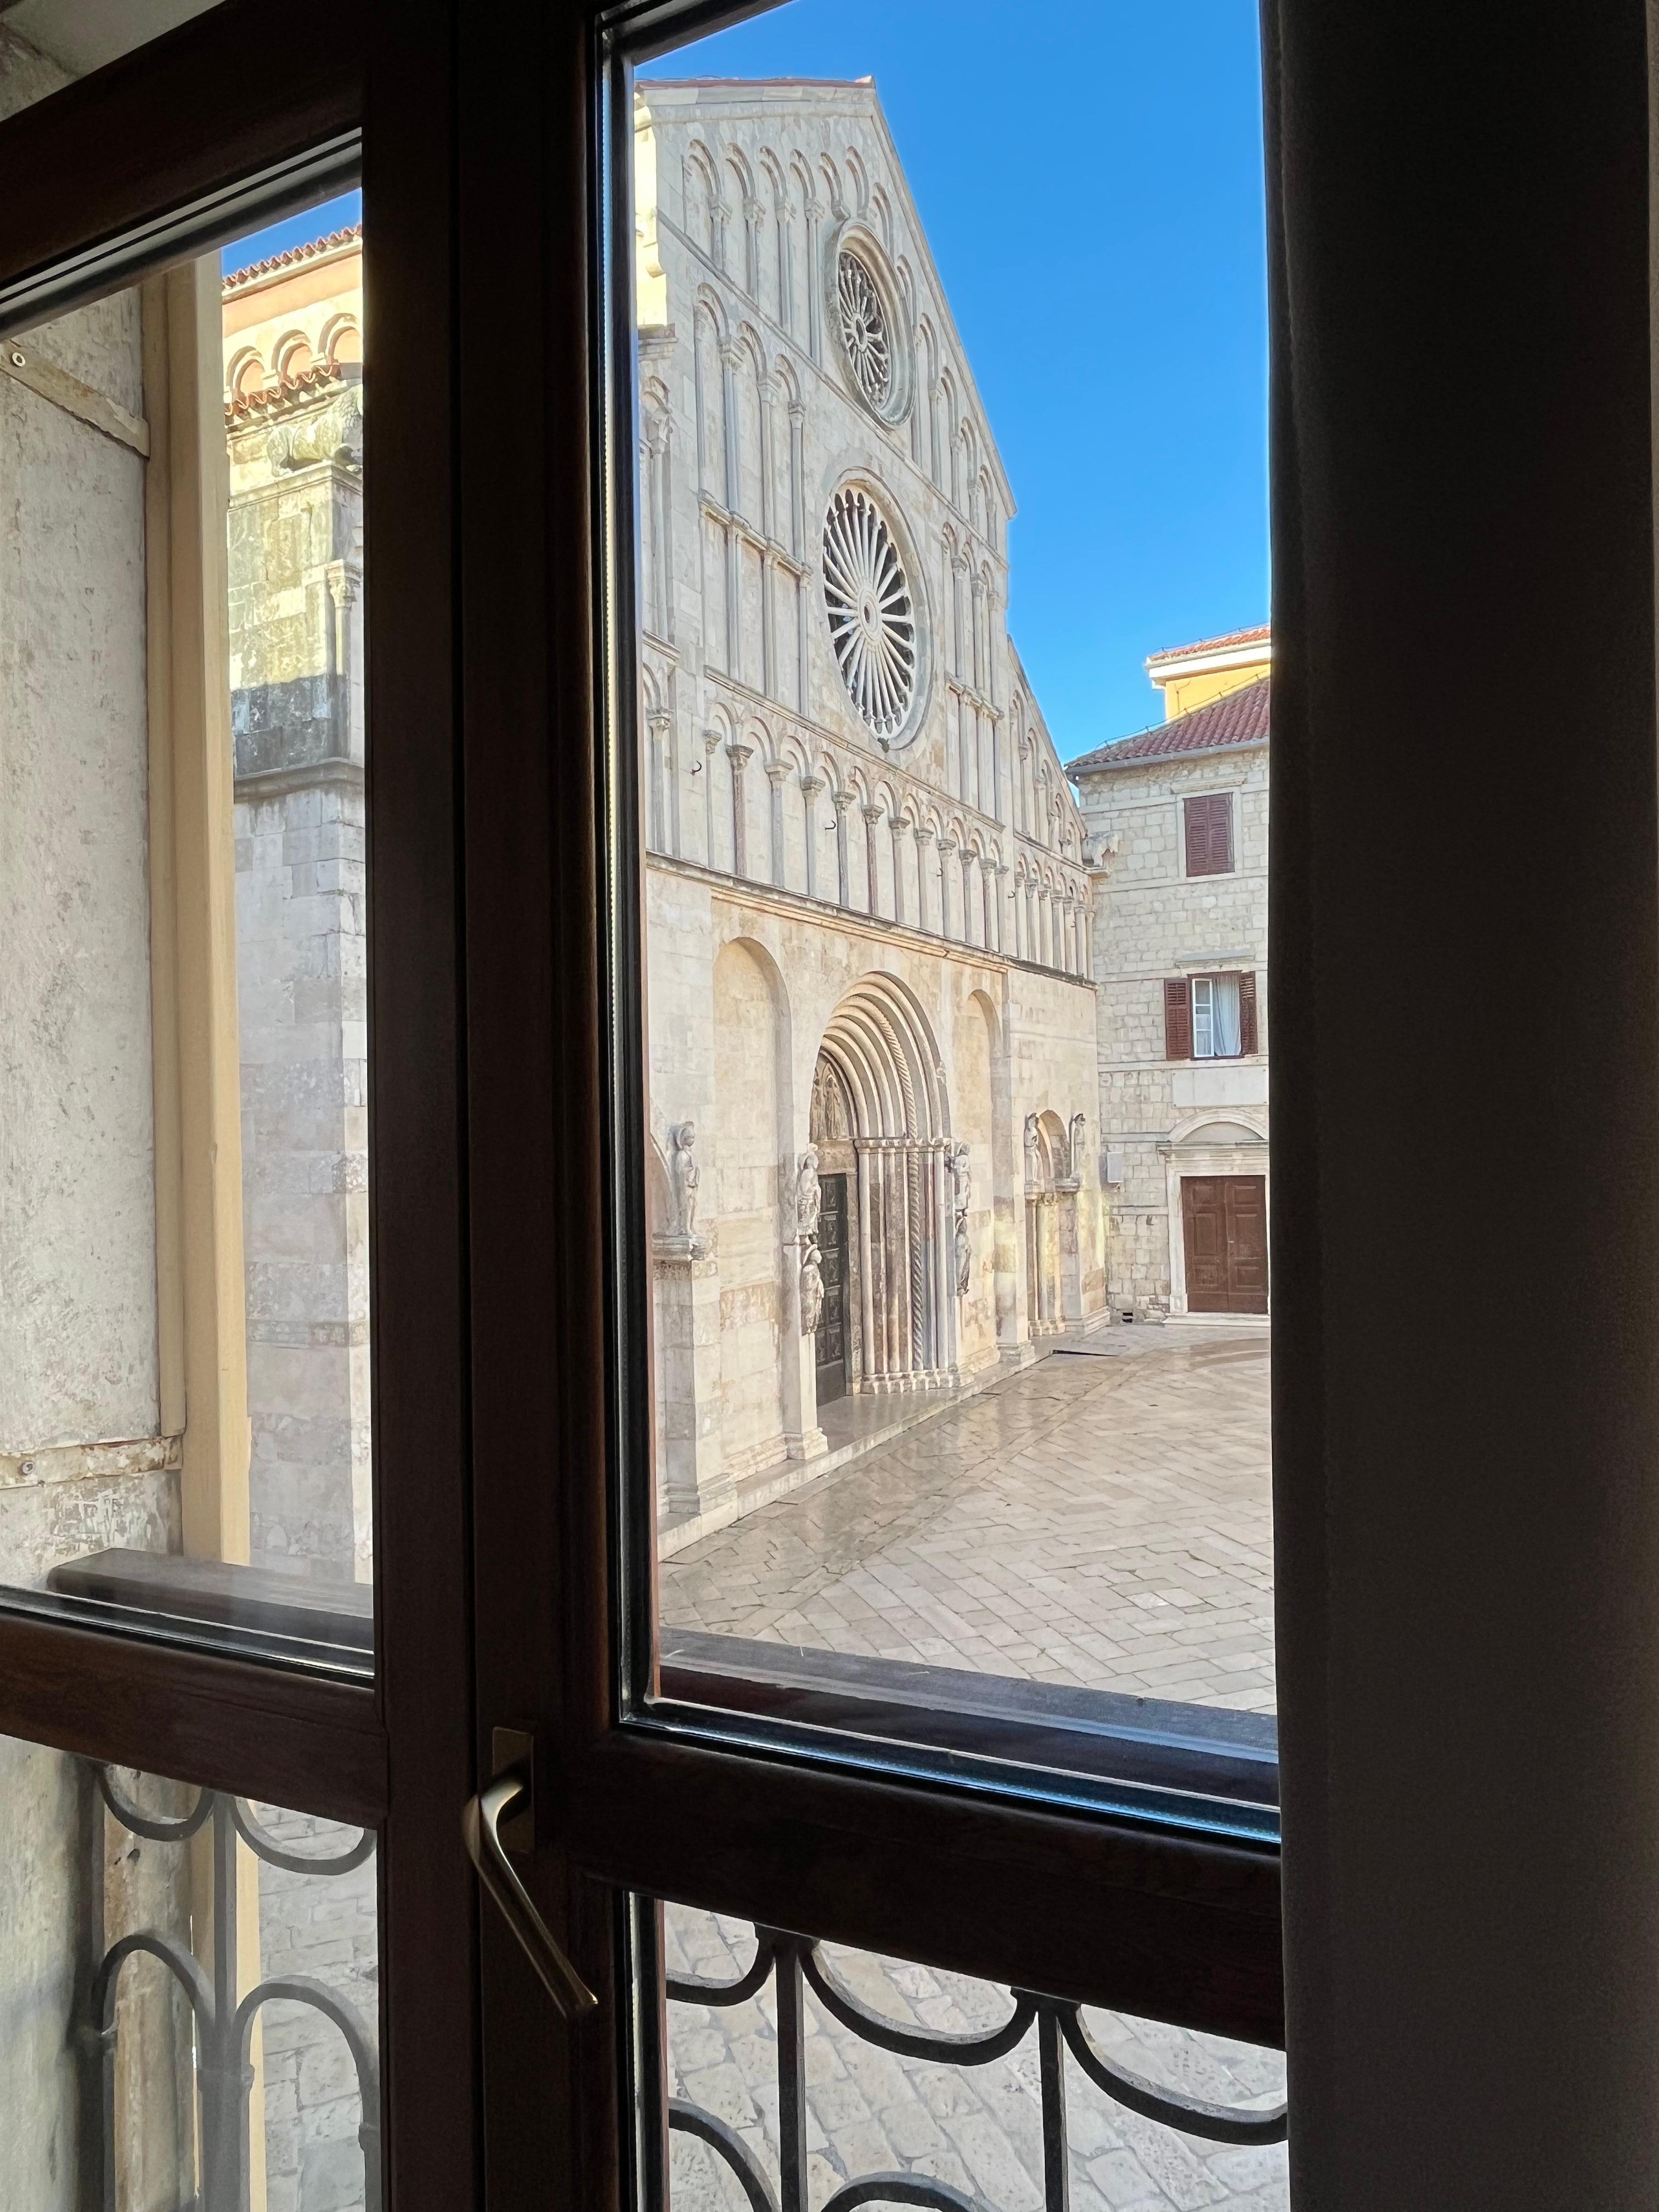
(223, 2021)
(794, 1963)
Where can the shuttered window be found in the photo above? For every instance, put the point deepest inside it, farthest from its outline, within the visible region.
(1210, 1017)
(1209, 834)
(1177, 1020)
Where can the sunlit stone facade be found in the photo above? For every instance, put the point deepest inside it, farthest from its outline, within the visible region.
(873, 1099)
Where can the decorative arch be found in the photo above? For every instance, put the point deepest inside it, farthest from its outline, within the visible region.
(879, 1067)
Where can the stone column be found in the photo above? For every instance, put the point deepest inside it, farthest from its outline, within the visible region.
(970, 862)
(924, 839)
(797, 478)
(871, 1362)
(896, 826)
(711, 745)
(947, 849)
(814, 308)
(661, 726)
(810, 786)
(739, 755)
(776, 772)
(689, 1329)
(871, 815)
(841, 800)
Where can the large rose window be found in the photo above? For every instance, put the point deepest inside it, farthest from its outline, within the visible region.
(872, 619)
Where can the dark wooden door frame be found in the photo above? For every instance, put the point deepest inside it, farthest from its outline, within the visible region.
(98, 177)
(834, 1315)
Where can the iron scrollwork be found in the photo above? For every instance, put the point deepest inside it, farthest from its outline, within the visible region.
(223, 2022)
(797, 1963)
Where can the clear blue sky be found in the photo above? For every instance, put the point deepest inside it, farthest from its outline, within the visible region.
(1089, 175)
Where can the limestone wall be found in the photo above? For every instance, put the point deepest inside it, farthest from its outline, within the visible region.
(1152, 921)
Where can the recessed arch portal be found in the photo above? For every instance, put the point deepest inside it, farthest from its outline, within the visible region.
(881, 1115)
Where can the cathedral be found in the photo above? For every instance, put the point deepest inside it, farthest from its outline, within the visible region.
(875, 1169)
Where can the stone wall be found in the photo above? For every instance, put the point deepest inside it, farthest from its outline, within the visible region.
(302, 953)
(1152, 921)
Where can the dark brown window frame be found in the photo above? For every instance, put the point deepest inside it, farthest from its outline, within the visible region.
(102, 185)
(639, 1742)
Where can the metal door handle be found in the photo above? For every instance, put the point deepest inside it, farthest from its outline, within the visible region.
(480, 1830)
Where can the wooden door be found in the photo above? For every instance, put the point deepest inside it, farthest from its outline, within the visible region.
(1223, 1222)
(832, 1322)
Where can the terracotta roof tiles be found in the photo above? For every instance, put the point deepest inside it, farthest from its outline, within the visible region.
(1259, 634)
(296, 257)
(1240, 717)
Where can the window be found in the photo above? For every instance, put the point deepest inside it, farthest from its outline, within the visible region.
(1209, 824)
(1209, 1016)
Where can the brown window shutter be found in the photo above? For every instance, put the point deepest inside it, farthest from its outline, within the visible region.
(1246, 1013)
(1221, 834)
(1196, 819)
(1177, 1018)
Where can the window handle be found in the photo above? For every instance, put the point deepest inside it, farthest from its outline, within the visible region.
(509, 1798)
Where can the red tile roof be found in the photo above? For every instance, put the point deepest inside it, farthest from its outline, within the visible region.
(295, 256)
(1239, 719)
(1258, 635)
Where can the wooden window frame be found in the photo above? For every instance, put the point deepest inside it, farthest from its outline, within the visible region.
(101, 188)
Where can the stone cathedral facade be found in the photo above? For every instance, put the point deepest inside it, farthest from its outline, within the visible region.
(872, 1053)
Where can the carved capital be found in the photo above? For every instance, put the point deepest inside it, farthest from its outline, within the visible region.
(740, 755)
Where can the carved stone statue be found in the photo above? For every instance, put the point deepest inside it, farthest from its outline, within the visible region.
(1079, 1137)
(809, 1198)
(686, 1173)
(812, 1289)
(961, 1196)
(961, 1180)
(1033, 1153)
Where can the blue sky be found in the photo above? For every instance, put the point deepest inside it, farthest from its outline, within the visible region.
(1089, 175)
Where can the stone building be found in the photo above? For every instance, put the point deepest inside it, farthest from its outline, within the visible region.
(1178, 828)
(293, 350)
(873, 1168)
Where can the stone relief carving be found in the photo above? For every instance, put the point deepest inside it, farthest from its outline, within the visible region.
(1079, 1131)
(685, 1174)
(334, 434)
(809, 1201)
(962, 1197)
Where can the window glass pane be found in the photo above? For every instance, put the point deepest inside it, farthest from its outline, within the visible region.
(184, 1346)
(987, 2127)
(1203, 1019)
(957, 1352)
(149, 2060)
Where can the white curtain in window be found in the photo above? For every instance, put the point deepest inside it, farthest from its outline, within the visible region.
(1203, 1022)
(1227, 1037)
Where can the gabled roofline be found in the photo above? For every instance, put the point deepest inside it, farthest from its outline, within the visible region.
(871, 96)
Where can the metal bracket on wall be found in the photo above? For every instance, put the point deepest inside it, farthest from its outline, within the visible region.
(20, 360)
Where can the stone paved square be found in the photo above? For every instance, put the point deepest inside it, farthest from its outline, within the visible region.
(1104, 1519)
(1101, 1518)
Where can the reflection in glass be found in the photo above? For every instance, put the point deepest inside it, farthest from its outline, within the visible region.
(189, 1991)
(797, 2070)
(183, 1196)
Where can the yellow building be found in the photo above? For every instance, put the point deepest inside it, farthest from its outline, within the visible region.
(1191, 675)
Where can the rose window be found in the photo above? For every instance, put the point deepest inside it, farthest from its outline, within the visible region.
(872, 621)
(864, 329)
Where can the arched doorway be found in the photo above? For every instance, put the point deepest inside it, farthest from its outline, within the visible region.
(1051, 1188)
(880, 1120)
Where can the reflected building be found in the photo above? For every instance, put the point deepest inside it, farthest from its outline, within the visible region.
(874, 1170)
